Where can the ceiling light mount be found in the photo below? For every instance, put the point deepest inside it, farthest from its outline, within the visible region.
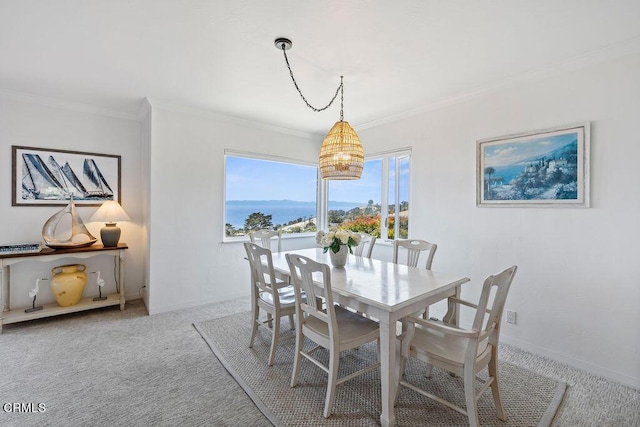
(283, 43)
(341, 154)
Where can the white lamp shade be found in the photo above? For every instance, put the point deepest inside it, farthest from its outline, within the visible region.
(110, 211)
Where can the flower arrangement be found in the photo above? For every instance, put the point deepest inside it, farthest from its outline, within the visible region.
(334, 239)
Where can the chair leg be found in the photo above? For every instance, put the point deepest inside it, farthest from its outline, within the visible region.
(296, 359)
(293, 325)
(495, 387)
(470, 396)
(274, 339)
(428, 370)
(334, 359)
(269, 320)
(254, 329)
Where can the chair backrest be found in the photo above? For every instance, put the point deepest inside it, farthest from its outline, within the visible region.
(501, 282)
(263, 277)
(303, 272)
(365, 239)
(265, 237)
(414, 247)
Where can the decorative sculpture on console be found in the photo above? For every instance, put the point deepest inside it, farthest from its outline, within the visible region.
(80, 236)
(100, 282)
(33, 293)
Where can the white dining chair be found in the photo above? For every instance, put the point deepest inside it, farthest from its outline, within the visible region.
(265, 238)
(414, 248)
(275, 297)
(459, 351)
(333, 327)
(366, 241)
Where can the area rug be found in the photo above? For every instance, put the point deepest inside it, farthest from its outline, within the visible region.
(529, 399)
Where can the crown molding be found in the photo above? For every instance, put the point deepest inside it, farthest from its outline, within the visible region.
(214, 115)
(610, 52)
(596, 56)
(146, 107)
(64, 105)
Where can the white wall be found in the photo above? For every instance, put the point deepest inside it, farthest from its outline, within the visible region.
(32, 124)
(189, 264)
(577, 291)
(578, 286)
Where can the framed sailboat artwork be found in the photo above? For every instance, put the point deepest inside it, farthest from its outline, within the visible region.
(50, 177)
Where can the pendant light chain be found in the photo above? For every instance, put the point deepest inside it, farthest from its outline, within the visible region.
(339, 89)
(341, 100)
(341, 154)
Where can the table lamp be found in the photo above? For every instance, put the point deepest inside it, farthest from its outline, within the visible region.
(110, 212)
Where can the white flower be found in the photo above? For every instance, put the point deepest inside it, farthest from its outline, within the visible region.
(330, 236)
(343, 236)
(335, 239)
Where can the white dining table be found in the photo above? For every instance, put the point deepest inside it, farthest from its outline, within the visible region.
(387, 292)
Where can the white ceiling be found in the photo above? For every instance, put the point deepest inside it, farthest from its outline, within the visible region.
(397, 57)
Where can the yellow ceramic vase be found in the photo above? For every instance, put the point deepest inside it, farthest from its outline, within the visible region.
(67, 283)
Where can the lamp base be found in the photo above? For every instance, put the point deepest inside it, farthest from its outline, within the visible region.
(110, 234)
(99, 298)
(32, 309)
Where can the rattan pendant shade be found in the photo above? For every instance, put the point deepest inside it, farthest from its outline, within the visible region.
(341, 155)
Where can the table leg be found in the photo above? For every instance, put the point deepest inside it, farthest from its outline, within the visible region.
(452, 316)
(4, 292)
(388, 370)
(121, 278)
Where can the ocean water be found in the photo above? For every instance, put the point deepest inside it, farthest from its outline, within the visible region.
(282, 211)
(508, 172)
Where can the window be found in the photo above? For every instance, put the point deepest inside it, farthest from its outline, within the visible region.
(398, 200)
(268, 192)
(358, 205)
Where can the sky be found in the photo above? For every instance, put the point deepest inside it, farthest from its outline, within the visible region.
(500, 154)
(246, 181)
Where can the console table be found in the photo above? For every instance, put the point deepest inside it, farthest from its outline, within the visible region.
(14, 315)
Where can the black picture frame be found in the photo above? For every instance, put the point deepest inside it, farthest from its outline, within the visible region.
(49, 176)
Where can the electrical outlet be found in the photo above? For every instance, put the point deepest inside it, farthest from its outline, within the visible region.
(511, 316)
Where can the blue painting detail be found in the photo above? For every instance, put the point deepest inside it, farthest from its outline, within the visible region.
(540, 168)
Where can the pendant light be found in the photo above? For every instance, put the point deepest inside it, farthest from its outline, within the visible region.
(341, 155)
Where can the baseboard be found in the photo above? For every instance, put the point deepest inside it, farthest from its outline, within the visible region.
(575, 363)
(191, 304)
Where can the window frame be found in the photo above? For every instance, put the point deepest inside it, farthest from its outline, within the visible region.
(323, 191)
(396, 230)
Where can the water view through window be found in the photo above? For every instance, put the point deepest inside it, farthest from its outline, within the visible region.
(269, 194)
(262, 193)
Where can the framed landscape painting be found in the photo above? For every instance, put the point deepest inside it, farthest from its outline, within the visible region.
(49, 177)
(545, 168)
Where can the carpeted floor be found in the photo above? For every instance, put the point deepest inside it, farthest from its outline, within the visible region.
(529, 399)
(124, 368)
(111, 368)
